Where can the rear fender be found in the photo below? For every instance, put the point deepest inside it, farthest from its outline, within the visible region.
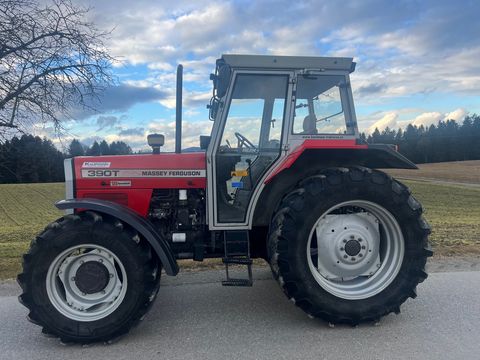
(128, 216)
(307, 162)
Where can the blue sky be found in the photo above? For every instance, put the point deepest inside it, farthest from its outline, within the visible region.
(417, 61)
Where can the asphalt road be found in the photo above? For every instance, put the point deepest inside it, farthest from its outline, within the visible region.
(196, 318)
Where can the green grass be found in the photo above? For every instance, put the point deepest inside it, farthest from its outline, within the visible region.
(25, 209)
(454, 214)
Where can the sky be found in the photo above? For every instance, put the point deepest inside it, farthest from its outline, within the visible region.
(417, 61)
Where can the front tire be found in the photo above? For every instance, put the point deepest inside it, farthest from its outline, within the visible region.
(88, 278)
(349, 245)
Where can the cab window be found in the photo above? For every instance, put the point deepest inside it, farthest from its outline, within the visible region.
(319, 105)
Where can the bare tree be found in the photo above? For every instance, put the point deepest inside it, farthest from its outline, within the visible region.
(52, 60)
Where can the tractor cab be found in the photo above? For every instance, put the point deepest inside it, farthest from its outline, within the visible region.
(263, 107)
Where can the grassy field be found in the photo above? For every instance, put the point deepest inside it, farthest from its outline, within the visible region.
(453, 210)
(467, 172)
(25, 209)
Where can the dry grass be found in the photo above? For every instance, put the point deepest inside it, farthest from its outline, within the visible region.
(456, 171)
(453, 211)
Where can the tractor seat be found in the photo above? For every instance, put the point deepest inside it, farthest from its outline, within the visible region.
(310, 124)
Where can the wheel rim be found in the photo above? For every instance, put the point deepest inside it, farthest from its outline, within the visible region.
(86, 282)
(355, 249)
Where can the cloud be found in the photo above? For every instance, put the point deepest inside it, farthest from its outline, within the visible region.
(457, 115)
(388, 120)
(119, 99)
(371, 89)
(106, 122)
(402, 117)
(427, 119)
(422, 44)
(404, 50)
(432, 118)
(132, 131)
(89, 140)
(191, 132)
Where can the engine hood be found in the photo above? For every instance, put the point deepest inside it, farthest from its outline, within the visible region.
(146, 171)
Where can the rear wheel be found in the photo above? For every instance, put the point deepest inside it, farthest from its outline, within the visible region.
(349, 245)
(88, 278)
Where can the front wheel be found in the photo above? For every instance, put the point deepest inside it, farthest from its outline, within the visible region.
(349, 245)
(88, 278)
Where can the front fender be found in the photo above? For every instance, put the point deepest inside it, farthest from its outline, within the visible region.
(128, 216)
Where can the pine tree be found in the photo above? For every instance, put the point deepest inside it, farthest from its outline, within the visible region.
(76, 148)
(94, 150)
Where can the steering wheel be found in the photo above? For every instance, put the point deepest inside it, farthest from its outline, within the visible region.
(242, 140)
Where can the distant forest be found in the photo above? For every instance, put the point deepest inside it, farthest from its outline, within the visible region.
(446, 141)
(30, 159)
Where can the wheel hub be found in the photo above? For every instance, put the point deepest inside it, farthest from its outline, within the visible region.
(86, 282)
(92, 277)
(348, 245)
(352, 247)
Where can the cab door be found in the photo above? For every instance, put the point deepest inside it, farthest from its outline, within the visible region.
(247, 142)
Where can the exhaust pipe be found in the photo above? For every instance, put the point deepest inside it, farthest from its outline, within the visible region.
(178, 124)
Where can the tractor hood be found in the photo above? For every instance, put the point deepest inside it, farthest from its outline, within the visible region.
(147, 171)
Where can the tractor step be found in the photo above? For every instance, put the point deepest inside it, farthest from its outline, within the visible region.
(237, 282)
(237, 252)
(238, 261)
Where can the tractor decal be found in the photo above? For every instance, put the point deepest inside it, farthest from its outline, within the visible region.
(143, 173)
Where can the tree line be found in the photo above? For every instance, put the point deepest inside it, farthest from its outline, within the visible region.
(31, 159)
(446, 141)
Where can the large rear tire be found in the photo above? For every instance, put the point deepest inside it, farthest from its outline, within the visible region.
(349, 245)
(88, 278)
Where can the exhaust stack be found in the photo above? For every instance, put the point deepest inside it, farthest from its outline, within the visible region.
(178, 124)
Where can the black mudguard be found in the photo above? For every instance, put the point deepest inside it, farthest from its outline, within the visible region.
(142, 225)
(312, 161)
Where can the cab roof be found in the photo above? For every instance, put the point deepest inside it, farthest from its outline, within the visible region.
(289, 62)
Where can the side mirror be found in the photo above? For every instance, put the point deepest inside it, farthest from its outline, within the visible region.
(156, 141)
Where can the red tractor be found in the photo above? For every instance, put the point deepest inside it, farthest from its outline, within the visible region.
(284, 176)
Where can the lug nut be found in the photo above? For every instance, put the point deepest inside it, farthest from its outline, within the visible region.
(359, 240)
(344, 241)
(72, 278)
(341, 249)
(345, 256)
(353, 259)
(360, 255)
(352, 237)
(111, 275)
(363, 247)
(100, 260)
